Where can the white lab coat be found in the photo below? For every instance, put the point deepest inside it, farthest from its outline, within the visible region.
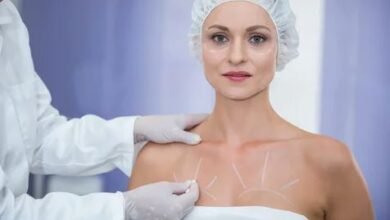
(35, 138)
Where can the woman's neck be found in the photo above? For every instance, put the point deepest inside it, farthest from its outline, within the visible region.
(236, 122)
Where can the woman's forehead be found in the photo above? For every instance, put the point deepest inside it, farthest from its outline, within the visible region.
(242, 14)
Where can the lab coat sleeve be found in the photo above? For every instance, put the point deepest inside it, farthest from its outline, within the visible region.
(54, 144)
(59, 206)
(86, 146)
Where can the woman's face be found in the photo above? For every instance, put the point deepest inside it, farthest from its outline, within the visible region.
(239, 49)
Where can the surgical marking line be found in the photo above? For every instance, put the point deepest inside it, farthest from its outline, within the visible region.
(209, 194)
(288, 185)
(239, 176)
(264, 169)
(198, 168)
(211, 182)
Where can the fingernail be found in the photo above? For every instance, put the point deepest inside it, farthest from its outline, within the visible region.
(189, 182)
(196, 139)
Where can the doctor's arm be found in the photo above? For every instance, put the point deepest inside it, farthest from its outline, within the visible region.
(83, 146)
(92, 145)
(59, 205)
(155, 201)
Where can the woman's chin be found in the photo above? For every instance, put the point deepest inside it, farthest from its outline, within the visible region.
(239, 96)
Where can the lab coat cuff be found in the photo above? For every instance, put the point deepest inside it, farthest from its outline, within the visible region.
(128, 129)
(126, 162)
(120, 200)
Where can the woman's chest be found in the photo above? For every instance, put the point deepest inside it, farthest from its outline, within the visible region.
(264, 178)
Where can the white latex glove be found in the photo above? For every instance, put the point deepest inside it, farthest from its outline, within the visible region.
(161, 201)
(166, 129)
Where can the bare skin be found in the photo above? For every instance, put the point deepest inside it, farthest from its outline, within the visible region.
(308, 174)
(249, 155)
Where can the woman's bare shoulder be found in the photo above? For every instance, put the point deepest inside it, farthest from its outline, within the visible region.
(154, 163)
(341, 177)
(328, 154)
(153, 153)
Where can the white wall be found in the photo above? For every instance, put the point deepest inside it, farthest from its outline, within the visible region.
(295, 92)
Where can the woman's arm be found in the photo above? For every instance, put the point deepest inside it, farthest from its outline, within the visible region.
(348, 196)
(142, 170)
(152, 165)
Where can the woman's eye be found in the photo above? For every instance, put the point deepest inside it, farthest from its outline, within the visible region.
(257, 39)
(219, 38)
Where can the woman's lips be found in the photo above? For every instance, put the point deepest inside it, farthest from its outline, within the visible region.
(237, 76)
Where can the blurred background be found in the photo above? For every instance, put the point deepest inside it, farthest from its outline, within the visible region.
(117, 57)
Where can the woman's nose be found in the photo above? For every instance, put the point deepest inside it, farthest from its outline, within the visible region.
(237, 53)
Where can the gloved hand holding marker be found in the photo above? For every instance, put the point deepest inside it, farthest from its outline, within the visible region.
(174, 200)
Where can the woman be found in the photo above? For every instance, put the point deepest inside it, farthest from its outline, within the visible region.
(252, 164)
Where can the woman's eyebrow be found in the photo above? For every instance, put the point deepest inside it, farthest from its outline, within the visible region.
(249, 29)
(255, 27)
(223, 28)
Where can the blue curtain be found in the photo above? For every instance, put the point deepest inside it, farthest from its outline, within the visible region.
(356, 91)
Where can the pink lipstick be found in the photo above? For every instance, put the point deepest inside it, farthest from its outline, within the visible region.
(237, 76)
